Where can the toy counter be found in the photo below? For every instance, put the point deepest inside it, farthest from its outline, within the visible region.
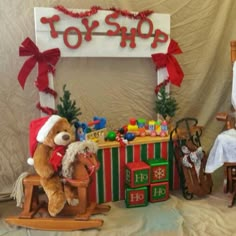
(109, 181)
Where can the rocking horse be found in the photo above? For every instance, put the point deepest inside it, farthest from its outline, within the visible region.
(78, 164)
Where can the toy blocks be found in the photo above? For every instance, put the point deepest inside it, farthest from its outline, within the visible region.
(137, 174)
(158, 192)
(158, 170)
(136, 197)
(146, 181)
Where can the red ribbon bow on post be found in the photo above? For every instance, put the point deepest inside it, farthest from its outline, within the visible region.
(46, 62)
(167, 60)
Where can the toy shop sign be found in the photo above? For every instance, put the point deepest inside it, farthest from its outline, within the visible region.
(104, 34)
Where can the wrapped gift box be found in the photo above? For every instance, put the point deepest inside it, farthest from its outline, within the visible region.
(108, 184)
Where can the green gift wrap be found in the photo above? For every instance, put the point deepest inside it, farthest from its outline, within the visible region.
(108, 183)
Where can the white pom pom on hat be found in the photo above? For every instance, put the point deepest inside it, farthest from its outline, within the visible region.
(39, 130)
(30, 161)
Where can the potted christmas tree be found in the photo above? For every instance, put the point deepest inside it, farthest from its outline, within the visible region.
(67, 108)
(166, 106)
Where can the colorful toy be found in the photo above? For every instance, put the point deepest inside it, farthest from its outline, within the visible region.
(83, 128)
(137, 174)
(164, 129)
(141, 122)
(151, 125)
(158, 127)
(152, 128)
(111, 136)
(129, 136)
(98, 122)
(97, 135)
(132, 121)
(136, 197)
(121, 140)
(132, 126)
(141, 132)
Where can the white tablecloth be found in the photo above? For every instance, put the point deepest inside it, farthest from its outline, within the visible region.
(223, 150)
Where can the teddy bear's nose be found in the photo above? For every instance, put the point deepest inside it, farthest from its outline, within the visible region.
(66, 137)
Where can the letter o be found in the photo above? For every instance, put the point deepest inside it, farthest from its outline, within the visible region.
(145, 36)
(65, 37)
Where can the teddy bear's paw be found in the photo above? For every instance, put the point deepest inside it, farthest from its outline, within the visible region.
(73, 202)
(46, 172)
(56, 204)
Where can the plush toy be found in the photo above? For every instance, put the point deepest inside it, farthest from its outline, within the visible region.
(49, 137)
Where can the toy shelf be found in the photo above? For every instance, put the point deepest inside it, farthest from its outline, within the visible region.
(109, 181)
(137, 140)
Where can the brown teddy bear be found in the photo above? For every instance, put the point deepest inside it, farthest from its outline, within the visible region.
(49, 137)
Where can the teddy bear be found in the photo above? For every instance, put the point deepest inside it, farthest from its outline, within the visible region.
(49, 138)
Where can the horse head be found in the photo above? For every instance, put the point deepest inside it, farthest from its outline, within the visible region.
(80, 158)
(89, 159)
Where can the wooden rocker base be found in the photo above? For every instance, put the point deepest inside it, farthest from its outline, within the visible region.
(35, 211)
(58, 224)
(62, 222)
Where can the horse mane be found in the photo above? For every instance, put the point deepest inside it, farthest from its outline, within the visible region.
(72, 151)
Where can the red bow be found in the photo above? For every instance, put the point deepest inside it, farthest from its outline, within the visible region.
(46, 61)
(174, 70)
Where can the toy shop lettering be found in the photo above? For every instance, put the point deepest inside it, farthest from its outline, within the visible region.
(158, 35)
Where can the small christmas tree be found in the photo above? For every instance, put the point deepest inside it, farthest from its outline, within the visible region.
(68, 108)
(165, 105)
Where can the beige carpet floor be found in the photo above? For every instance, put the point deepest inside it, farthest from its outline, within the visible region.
(208, 216)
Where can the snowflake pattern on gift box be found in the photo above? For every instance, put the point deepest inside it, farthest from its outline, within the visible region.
(159, 173)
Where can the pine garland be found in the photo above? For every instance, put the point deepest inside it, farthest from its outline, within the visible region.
(68, 108)
(94, 9)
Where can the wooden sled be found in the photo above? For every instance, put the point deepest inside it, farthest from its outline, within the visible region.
(187, 133)
(35, 210)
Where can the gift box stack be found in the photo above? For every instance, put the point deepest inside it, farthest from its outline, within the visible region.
(146, 181)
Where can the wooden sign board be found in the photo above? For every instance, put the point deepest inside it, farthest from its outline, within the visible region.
(100, 45)
(70, 35)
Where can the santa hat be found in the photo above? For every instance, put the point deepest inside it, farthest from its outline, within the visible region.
(38, 131)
